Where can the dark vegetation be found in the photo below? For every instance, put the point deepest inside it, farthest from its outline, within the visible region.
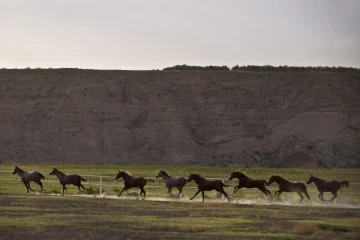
(265, 68)
(188, 67)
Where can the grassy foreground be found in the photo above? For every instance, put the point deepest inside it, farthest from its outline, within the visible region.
(45, 216)
(53, 217)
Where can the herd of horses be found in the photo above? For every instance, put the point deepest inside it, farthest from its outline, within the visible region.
(202, 183)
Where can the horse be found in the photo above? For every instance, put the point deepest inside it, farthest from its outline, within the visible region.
(27, 177)
(324, 186)
(287, 186)
(170, 182)
(207, 185)
(65, 179)
(246, 182)
(132, 182)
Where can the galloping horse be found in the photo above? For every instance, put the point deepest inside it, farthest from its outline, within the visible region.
(27, 177)
(323, 186)
(206, 185)
(132, 182)
(170, 182)
(246, 182)
(64, 179)
(287, 186)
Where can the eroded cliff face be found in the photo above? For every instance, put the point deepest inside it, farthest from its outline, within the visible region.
(228, 118)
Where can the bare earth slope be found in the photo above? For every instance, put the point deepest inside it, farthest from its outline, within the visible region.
(229, 118)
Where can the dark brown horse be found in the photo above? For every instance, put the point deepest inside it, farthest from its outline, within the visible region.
(207, 185)
(287, 186)
(170, 182)
(65, 179)
(324, 186)
(27, 177)
(132, 182)
(246, 182)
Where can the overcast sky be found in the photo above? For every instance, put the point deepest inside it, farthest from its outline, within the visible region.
(105, 34)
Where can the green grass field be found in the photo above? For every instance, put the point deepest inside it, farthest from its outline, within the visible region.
(84, 215)
(112, 186)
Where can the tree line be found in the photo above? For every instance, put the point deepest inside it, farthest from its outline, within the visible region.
(264, 68)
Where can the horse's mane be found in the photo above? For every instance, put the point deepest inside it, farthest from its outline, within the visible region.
(127, 174)
(241, 174)
(277, 176)
(316, 178)
(198, 175)
(60, 172)
(165, 173)
(19, 169)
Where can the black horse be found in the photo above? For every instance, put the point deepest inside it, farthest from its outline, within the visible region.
(27, 177)
(287, 186)
(170, 182)
(65, 179)
(324, 186)
(207, 185)
(246, 182)
(132, 182)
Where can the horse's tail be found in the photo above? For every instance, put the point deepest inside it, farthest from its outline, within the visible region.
(81, 178)
(150, 180)
(344, 184)
(224, 185)
(41, 176)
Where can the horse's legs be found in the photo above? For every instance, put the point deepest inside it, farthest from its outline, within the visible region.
(122, 191)
(180, 191)
(237, 188)
(335, 196)
(27, 189)
(269, 193)
(144, 194)
(29, 186)
(302, 197)
(142, 190)
(279, 192)
(63, 189)
(225, 194)
(195, 194)
(202, 193)
(264, 191)
(38, 182)
(321, 196)
(82, 186)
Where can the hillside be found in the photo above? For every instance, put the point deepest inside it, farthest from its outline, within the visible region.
(227, 118)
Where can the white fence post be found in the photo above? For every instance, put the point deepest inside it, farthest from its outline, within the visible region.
(101, 190)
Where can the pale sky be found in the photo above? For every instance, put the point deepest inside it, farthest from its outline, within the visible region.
(153, 34)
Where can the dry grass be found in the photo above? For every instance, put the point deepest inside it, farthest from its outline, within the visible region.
(313, 211)
(275, 228)
(323, 234)
(279, 216)
(304, 228)
(351, 235)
